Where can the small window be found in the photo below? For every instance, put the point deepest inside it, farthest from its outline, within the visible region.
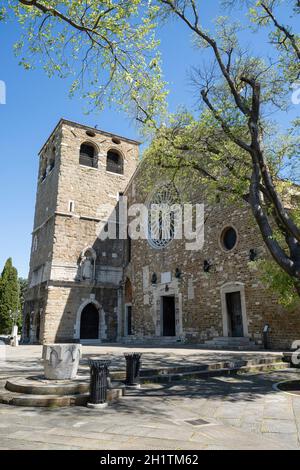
(229, 238)
(114, 162)
(51, 161)
(116, 141)
(43, 168)
(88, 156)
(71, 206)
(34, 244)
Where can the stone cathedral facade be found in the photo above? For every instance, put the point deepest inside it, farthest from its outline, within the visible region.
(82, 288)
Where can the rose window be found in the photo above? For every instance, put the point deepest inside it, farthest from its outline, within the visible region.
(164, 215)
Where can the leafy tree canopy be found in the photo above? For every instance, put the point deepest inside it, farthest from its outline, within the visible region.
(9, 297)
(233, 141)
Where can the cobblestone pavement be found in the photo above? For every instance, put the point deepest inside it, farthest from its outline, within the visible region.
(239, 412)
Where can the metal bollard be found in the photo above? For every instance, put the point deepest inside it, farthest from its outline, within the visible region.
(133, 366)
(99, 383)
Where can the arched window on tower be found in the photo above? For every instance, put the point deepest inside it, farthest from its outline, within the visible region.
(47, 162)
(114, 162)
(43, 168)
(88, 156)
(51, 161)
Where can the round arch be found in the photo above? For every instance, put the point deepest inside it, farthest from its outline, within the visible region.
(88, 154)
(92, 144)
(101, 320)
(117, 149)
(112, 165)
(37, 326)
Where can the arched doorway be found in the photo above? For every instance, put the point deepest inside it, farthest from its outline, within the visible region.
(89, 322)
(36, 327)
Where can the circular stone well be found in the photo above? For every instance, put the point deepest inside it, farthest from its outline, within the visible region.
(41, 392)
(39, 385)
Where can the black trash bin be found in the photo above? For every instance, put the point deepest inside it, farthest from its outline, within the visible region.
(133, 367)
(99, 383)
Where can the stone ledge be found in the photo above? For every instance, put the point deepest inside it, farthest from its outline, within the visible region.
(80, 399)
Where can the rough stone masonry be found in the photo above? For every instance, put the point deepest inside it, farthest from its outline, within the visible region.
(86, 290)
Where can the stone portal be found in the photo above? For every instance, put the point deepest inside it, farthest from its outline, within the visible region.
(168, 316)
(89, 324)
(234, 309)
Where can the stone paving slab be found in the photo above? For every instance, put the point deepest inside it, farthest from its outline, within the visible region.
(27, 359)
(243, 411)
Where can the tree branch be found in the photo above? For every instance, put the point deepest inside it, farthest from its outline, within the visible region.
(283, 29)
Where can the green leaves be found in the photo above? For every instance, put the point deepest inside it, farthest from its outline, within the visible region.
(108, 47)
(3, 13)
(231, 144)
(279, 283)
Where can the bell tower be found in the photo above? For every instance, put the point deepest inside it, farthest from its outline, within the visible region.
(72, 271)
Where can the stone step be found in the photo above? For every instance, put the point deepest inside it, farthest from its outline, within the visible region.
(234, 339)
(91, 342)
(155, 341)
(40, 386)
(18, 399)
(212, 366)
(231, 347)
(226, 342)
(288, 357)
(166, 378)
(201, 368)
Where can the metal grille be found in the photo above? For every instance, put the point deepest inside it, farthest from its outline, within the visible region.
(164, 213)
(87, 160)
(114, 162)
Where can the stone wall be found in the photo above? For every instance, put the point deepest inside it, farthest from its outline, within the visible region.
(72, 199)
(199, 295)
(89, 187)
(67, 300)
(45, 207)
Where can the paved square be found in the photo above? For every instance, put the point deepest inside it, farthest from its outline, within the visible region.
(242, 411)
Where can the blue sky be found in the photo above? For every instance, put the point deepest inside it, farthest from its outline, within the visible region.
(34, 105)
